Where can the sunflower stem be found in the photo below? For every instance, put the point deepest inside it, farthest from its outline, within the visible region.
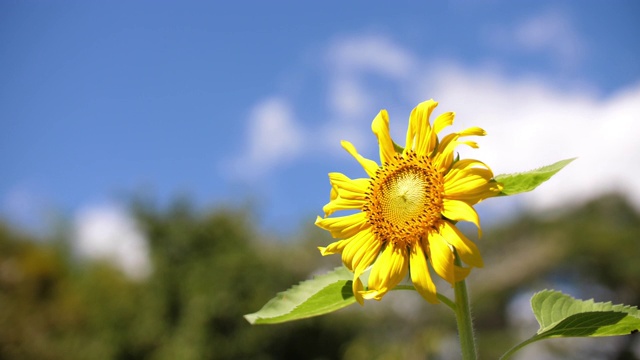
(463, 318)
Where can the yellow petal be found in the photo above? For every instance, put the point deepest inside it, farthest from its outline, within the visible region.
(465, 181)
(334, 193)
(344, 226)
(441, 257)
(442, 121)
(473, 131)
(420, 136)
(365, 255)
(388, 270)
(461, 168)
(461, 211)
(466, 249)
(369, 166)
(380, 127)
(461, 273)
(335, 247)
(420, 274)
(346, 194)
(357, 289)
(348, 188)
(443, 157)
(339, 203)
(361, 251)
(471, 144)
(466, 164)
(468, 183)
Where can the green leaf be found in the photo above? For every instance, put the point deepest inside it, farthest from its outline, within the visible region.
(399, 149)
(561, 315)
(320, 295)
(529, 180)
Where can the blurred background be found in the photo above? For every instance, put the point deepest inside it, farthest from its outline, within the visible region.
(162, 163)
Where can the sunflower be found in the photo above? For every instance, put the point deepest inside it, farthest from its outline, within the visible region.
(407, 209)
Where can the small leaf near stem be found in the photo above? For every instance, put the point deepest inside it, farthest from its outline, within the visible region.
(526, 181)
(561, 315)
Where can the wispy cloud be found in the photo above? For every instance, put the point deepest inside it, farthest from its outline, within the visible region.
(554, 33)
(353, 62)
(550, 33)
(348, 99)
(376, 54)
(274, 136)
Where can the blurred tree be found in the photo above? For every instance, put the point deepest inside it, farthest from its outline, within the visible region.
(210, 268)
(54, 308)
(208, 271)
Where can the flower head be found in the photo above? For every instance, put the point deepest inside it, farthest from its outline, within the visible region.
(408, 207)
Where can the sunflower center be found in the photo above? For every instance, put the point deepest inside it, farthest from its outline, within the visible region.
(404, 199)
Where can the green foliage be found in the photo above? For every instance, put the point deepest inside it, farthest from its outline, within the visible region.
(318, 296)
(561, 315)
(210, 268)
(529, 180)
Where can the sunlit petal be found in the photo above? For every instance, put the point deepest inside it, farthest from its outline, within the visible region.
(420, 274)
(380, 127)
(369, 166)
(466, 249)
(442, 257)
(361, 251)
(420, 137)
(344, 226)
(443, 121)
(389, 269)
(461, 211)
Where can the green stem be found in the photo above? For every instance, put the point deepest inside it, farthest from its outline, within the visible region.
(463, 318)
(514, 349)
(445, 300)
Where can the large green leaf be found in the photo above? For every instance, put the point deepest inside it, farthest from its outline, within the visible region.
(561, 315)
(320, 295)
(529, 180)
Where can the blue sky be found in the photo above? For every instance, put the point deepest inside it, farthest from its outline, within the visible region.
(244, 103)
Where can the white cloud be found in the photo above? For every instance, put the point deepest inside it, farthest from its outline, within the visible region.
(274, 134)
(348, 99)
(108, 232)
(376, 54)
(551, 32)
(531, 122)
(273, 137)
(352, 101)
